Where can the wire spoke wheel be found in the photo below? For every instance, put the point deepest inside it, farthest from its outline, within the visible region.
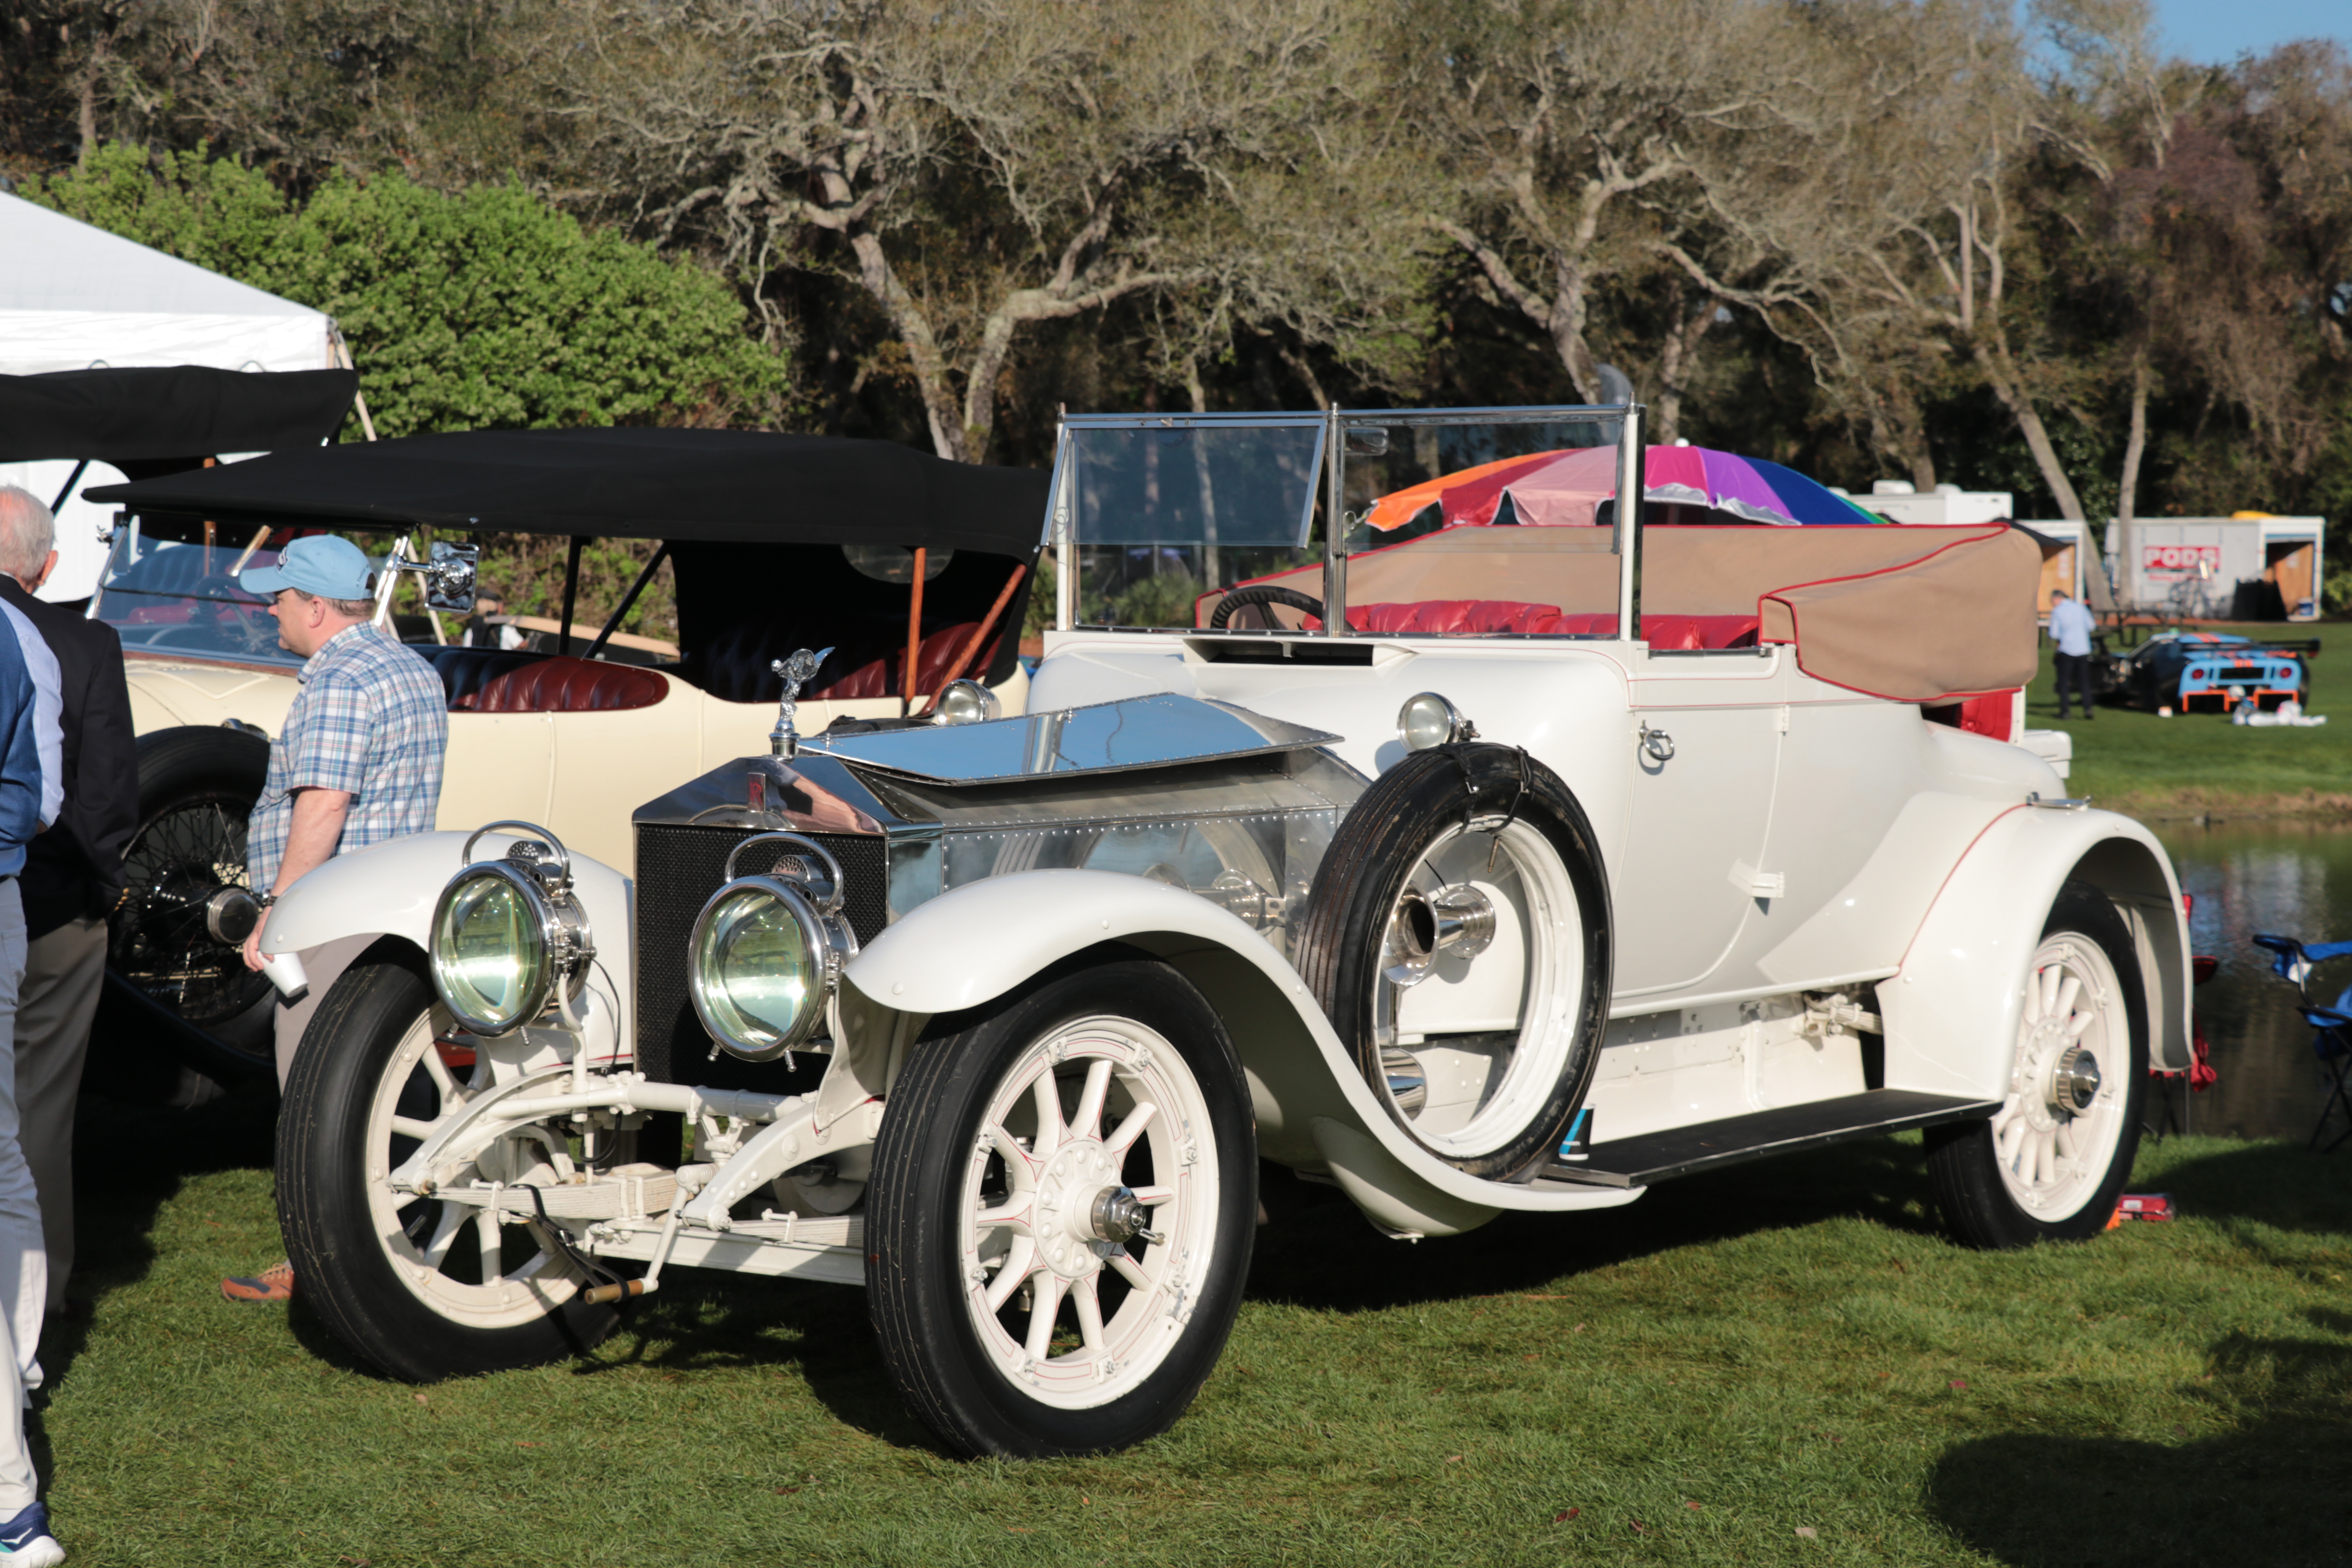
(178, 859)
(1100, 1113)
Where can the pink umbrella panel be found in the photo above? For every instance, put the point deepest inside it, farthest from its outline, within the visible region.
(1565, 489)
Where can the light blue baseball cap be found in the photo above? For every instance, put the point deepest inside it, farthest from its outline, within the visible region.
(321, 565)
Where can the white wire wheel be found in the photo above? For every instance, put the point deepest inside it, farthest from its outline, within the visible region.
(1457, 938)
(423, 1288)
(1067, 1179)
(2051, 1164)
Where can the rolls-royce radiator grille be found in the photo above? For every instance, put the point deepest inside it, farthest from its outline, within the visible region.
(678, 870)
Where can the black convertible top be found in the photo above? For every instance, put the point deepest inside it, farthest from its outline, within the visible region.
(701, 485)
(179, 412)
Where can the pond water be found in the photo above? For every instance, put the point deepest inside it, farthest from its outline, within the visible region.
(2294, 879)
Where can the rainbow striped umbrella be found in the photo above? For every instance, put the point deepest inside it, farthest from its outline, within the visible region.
(1552, 490)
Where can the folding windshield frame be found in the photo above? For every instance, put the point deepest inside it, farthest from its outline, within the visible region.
(1336, 422)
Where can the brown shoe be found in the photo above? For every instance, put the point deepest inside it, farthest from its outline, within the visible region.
(275, 1283)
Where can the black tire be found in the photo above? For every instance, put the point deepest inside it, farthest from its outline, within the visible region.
(946, 1351)
(1965, 1165)
(196, 788)
(1340, 948)
(335, 1234)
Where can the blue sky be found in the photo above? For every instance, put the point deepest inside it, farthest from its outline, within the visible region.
(2205, 31)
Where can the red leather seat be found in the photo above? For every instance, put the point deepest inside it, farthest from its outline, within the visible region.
(568, 685)
(542, 684)
(880, 676)
(1444, 617)
(1693, 632)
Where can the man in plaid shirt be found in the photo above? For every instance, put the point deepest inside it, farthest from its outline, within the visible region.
(359, 762)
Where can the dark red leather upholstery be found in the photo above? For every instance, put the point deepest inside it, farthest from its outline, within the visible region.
(880, 678)
(495, 680)
(1691, 632)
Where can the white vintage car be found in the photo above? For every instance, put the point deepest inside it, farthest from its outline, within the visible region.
(1473, 866)
(571, 730)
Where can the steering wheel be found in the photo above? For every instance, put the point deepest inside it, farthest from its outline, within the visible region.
(1263, 594)
(220, 590)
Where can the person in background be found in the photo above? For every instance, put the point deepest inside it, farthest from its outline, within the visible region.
(32, 793)
(73, 873)
(359, 762)
(2070, 628)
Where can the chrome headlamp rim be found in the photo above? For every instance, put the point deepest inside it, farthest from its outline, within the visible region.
(1458, 727)
(824, 936)
(557, 926)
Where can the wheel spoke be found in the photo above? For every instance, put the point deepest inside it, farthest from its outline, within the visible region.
(1013, 1217)
(2045, 1159)
(1050, 1130)
(1131, 1127)
(1152, 1196)
(438, 1071)
(1087, 1122)
(1089, 1304)
(2080, 1024)
(2067, 992)
(445, 1233)
(2052, 979)
(1048, 1290)
(2033, 998)
(1019, 1264)
(1126, 1269)
(486, 1229)
(409, 1127)
(1020, 1166)
(2064, 1138)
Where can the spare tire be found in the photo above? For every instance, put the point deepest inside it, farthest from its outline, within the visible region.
(196, 787)
(1458, 939)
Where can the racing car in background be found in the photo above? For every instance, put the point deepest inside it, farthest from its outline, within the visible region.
(2214, 671)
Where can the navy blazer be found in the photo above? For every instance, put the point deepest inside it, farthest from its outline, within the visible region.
(74, 871)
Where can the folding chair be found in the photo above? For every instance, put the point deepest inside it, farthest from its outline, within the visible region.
(2331, 1026)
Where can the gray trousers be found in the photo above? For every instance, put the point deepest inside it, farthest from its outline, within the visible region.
(324, 964)
(64, 970)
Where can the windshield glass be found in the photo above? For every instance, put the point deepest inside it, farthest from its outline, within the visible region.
(1168, 508)
(162, 596)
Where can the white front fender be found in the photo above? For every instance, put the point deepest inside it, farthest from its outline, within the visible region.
(390, 889)
(1314, 1109)
(1952, 1010)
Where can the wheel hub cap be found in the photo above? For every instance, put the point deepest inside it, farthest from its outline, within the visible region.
(1069, 1190)
(2073, 1082)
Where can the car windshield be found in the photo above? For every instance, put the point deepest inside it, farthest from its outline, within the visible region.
(1490, 515)
(167, 596)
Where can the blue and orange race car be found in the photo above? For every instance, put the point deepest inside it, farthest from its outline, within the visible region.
(2209, 671)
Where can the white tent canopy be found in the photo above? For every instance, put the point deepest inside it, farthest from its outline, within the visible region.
(73, 297)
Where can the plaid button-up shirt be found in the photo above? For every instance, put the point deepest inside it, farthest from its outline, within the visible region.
(370, 720)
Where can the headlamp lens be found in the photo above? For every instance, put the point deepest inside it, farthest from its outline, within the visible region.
(1427, 720)
(755, 974)
(966, 702)
(489, 953)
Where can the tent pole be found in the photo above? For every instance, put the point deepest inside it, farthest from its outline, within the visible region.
(614, 624)
(72, 479)
(570, 596)
(914, 634)
(343, 354)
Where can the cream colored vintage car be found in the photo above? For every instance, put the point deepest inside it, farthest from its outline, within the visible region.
(1476, 867)
(774, 543)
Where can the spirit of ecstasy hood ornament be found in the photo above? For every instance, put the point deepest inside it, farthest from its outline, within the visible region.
(797, 671)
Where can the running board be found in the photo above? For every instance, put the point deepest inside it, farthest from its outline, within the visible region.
(1681, 1151)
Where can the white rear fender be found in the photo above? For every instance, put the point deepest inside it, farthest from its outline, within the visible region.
(1314, 1110)
(1952, 1010)
(390, 889)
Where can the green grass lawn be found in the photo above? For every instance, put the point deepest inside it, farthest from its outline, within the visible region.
(2193, 765)
(1784, 1363)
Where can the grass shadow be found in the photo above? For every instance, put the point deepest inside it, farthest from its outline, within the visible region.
(2279, 1184)
(2270, 1491)
(1318, 1251)
(130, 1161)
